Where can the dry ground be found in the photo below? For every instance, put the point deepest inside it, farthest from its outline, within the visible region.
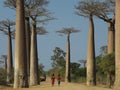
(64, 86)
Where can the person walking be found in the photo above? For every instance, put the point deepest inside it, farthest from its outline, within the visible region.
(53, 79)
(58, 79)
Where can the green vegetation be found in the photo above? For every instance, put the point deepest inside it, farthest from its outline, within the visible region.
(106, 69)
(78, 73)
(3, 76)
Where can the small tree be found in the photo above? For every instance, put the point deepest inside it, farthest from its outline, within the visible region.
(58, 62)
(103, 50)
(107, 65)
(75, 68)
(83, 62)
(58, 59)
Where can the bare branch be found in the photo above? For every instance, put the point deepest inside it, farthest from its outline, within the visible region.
(41, 31)
(68, 30)
(95, 7)
(6, 25)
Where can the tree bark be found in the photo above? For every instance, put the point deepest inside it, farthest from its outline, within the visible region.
(67, 75)
(111, 38)
(20, 71)
(109, 80)
(9, 58)
(28, 36)
(5, 64)
(117, 46)
(34, 77)
(91, 74)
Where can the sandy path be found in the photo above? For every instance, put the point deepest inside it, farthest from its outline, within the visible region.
(64, 86)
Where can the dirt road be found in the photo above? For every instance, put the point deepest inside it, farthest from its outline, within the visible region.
(64, 86)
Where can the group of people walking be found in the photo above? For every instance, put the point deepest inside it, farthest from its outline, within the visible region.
(53, 79)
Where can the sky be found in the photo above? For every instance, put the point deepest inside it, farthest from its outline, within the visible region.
(64, 11)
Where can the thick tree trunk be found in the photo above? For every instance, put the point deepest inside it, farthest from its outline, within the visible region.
(117, 46)
(111, 38)
(91, 74)
(28, 36)
(20, 71)
(9, 58)
(34, 77)
(67, 75)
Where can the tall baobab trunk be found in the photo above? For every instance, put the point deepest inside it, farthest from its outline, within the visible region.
(91, 74)
(9, 58)
(28, 36)
(20, 71)
(111, 38)
(117, 45)
(5, 62)
(34, 77)
(67, 75)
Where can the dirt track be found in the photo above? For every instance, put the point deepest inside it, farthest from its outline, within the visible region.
(64, 86)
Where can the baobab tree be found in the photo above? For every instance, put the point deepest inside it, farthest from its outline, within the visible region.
(68, 32)
(117, 45)
(34, 75)
(34, 15)
(6, 26)
(33, 10)
(106, 13)
(102, 10)
(20, 69)
(87, 9)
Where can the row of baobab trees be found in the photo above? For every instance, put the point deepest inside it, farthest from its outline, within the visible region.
(26, 57)
(28, 9)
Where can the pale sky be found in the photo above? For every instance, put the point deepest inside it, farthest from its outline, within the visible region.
(64, 11)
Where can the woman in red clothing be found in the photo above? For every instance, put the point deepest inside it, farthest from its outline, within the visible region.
(58, 79)
(53, 79)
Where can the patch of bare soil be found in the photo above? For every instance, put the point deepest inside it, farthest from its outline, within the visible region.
(46, 85)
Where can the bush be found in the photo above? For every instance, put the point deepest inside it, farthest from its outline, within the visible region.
(3, 76)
